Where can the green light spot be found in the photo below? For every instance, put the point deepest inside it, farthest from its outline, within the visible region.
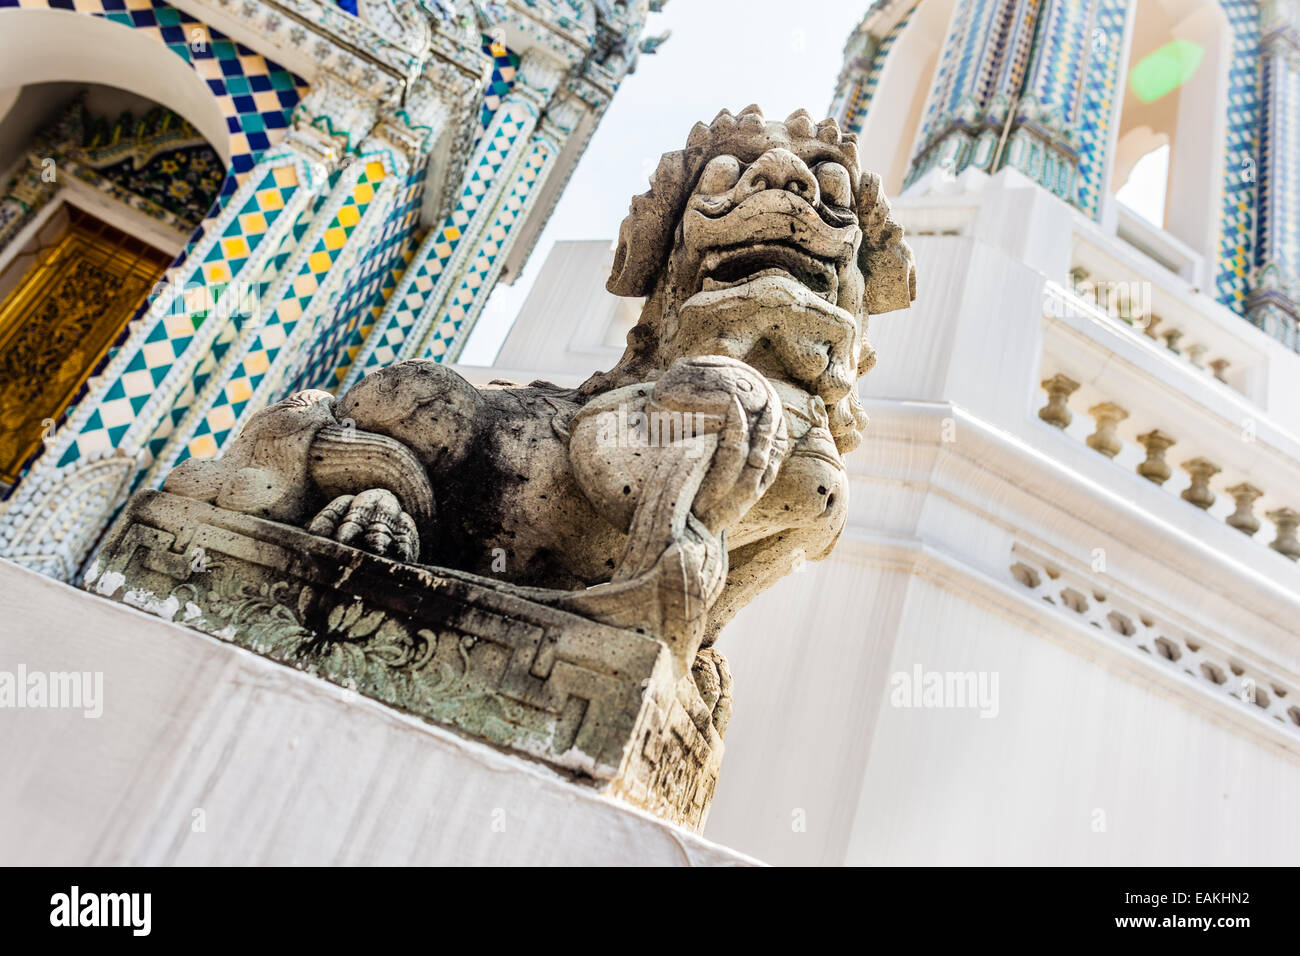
(1164, 70)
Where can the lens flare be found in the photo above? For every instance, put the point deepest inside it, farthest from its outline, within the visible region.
(1164, 70)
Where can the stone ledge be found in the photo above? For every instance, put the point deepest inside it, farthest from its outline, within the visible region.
(597, 702)
(284, 769)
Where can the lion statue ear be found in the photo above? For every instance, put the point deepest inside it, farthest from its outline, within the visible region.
(887, 261)
(891, 277)
(647, 231)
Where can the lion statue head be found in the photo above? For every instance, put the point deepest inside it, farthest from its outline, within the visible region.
(766, 242)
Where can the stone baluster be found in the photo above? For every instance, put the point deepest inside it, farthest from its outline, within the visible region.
(1152, 321)
(1198, 492)
(1078, 278)
(1196, 355)
(1286, 520)
(1171, 340)
(1155, 468)
(1108, 415)
(1057, 410)
(1123, 309)
(1243, 519)
(1220, 367)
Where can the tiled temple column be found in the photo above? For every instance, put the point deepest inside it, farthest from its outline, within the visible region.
(61, 506)
(1011, 90)
(1095, 120)
(439, 268)
(298, 290)
(560, 82)
(1274, 301)
(854, 85)
(1238, 221)
(1054, 109)
(510, 138)
(978, 59)
(449, 319)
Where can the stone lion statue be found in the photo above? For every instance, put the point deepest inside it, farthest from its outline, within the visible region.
(663, 494)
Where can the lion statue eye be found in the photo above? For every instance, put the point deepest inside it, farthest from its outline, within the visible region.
(836, 188)
(719, 176)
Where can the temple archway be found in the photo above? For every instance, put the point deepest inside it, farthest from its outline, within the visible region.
(104, 192)
(55, 46)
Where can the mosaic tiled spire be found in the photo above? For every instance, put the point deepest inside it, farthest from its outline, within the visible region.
(445, 282)
(1039, 84)
(1008, 90)
(60, 505)
(1274, 302)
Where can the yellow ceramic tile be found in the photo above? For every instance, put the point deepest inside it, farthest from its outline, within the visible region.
(253, 223)
(205, 446)
(255, 363)
(334, 238)
(304, 286)
(221, 418)
(320, 262)
(239, 390)
(234, 247)
(270, 200)
(375, 171)
(216, 272)
(363, 193)
(285, 176)
(290, 310)
(348, 216)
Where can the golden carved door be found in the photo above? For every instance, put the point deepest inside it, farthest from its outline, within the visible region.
(59, 320)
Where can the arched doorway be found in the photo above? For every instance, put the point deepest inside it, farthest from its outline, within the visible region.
(103, 190)
(189, 81)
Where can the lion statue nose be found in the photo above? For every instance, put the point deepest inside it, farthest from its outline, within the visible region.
(778, 169)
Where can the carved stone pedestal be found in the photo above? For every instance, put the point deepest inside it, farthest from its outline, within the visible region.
(596, 702)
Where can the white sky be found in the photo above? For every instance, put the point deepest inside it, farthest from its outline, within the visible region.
(781, 54)
(1144, 192)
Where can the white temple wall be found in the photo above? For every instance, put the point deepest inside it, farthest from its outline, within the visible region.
(204, 754)
(1085, 761)
(1128, 727)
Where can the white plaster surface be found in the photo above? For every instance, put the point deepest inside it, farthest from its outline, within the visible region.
(280, 768)
(1101, 753)
(56, 46)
